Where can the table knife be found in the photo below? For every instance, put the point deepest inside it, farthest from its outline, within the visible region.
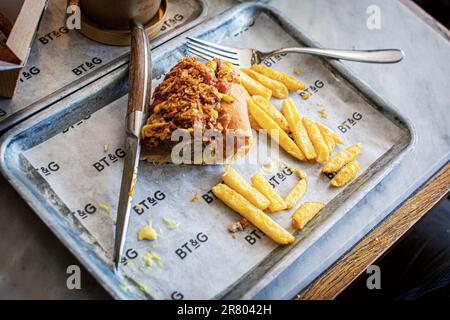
(139, 91)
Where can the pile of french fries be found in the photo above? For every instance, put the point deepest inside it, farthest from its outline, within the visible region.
(251, 199)
(301, 137)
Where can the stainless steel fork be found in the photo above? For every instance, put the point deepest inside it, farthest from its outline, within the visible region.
(246, 57)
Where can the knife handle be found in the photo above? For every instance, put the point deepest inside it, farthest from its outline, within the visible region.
(139, 78)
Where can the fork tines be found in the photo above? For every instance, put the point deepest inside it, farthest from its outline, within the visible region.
(207, 50)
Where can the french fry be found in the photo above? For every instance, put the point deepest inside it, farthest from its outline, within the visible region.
(336, 138)
(297, 129)
(305, 213)
(347, 173)
(235, 181)
(279, 90)
(327, 137)
(300, 173)
(253, 123)
(273, 112)
(253, 87)
(290, 82)
(257, 217)
(263, 186)
(340, 159)
(252, 120)
(295, 194)
(274, 130)
(226, 98)
(317, 139)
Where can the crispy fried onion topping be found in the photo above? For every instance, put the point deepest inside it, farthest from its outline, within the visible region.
(189, 96)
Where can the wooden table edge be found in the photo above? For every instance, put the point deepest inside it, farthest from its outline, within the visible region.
(341, 274)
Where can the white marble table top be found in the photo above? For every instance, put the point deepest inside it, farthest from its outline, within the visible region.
(34, 264)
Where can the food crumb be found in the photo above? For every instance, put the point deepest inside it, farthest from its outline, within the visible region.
(106, 147)
(170, 223)
(105, 208)
(195, 198)
(306, 96)
(323, 113)
(143, 288)
(282, 165)
(238, 226)
(300, 173)
(124, 286)
(296, 71)
(234, 236)
(150, 258)
(268, 166)
(147, 232)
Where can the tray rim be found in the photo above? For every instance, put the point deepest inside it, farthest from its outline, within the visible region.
(7, 141)
(72, 87)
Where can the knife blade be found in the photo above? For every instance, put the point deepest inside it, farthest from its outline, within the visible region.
(138, 100)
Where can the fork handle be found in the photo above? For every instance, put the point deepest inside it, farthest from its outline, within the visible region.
(374, 56)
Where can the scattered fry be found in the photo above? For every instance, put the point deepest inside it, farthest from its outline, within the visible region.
(317, 139)
(273, 112)
(253, 123)
(275, 132)
(305, 213)
(235, 181)
(336, 138)
(279, 90)
(300, 173)
(328, 137)
(295, 194)
(260, 183)
(306, 96)
(252, 120)
(297, 129)
(290, 82)
(347, 173)
(340, 159)
(258, 218)
(253, 87)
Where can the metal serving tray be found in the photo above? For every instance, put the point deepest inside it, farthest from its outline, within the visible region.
(49, 73)
(57, 163)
